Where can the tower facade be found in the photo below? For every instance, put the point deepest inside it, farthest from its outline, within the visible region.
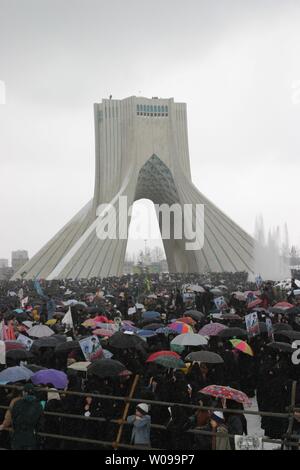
(141, 148)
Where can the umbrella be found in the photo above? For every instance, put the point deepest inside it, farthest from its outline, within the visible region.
(198, 316)
(102, 332)
(28, 324)
(205, 356)
(18, 355)
(67, 346)
(242, 346)
(212, 329)
(122, 340)
(57, 378)
(282, 327)
(180, 327)
(106, 368)
(187, 320)
(292, 311)
(15, 374)
(282, 347)
(39, 331)
(230, 316)
(254, 304)
(128, 327)
(232, 332)
(150, 315)
(47, 342)
(80, 366)
(165, 331)
(51, 322)
(169, 362)
(189, 339)
(90, 323)
(34, 368)
(216, 291)
(262, 327)
(155, 355)
(155, 326)
(146, 333)
(12, 345)
(219, 391)
(291, 335)
(283, 305)
(278, 310)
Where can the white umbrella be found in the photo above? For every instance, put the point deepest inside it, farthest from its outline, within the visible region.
(39, 331)
(80, 366)
(189, 339)
(27, 323)
(197, 288)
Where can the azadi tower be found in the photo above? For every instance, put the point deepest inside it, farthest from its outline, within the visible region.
(141, 152)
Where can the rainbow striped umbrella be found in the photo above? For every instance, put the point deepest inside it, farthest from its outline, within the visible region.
(242, 346)
(157, 354)
(180, 327)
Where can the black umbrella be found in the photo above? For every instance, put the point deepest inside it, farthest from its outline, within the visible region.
(18, 354)
(231, 332)
(150, 321)
(34, 368)
(282, 347)
(282, 327)
(47, 342)
(263, 327)
(291, 335)
(198, 316)
(59, 338)
(67, 346)
(292, 311)
(106, 368)
(205, 356)
(277, 310)
(155, 326)
(122, 340)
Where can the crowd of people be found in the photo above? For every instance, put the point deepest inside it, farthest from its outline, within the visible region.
(138, 319)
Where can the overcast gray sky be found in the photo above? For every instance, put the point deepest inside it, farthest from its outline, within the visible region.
(235, 63)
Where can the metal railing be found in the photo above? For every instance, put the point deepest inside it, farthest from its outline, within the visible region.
(285, 442)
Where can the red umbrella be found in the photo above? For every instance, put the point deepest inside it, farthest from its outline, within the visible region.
(154, 356)
(255, 303)
(187, 320)
(219, 391)
(283, 305)
(12, 345)
(103, 332)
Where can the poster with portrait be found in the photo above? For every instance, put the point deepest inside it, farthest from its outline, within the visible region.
(248, 443)
(252, 324)
(27, 342)
(91, 348)
(220, 303)
(269, 326)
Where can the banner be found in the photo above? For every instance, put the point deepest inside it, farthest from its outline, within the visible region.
(252, 324)
(91, 348)
(26, 341)
(220, 303)
(248, 443)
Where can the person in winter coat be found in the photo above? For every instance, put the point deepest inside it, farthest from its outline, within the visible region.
(141, 422)
(25, 414)
(221, 441)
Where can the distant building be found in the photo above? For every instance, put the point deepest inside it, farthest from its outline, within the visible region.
(18, 259)
(3, 263)
(6, 273)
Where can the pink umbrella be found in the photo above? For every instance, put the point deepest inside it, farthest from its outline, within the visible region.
(219, 391)
(255, 303)
(103, 332)
(212, 329)
(283, 305)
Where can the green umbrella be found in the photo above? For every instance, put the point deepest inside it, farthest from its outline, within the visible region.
(169, 362)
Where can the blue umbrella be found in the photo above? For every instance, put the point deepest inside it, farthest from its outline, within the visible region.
(150, 315)
(165, 331)
(15, 374)
(146, 333)
(19, 310)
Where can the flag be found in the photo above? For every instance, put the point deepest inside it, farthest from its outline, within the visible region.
(38, 288)
(67, 319)
(148, 284)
